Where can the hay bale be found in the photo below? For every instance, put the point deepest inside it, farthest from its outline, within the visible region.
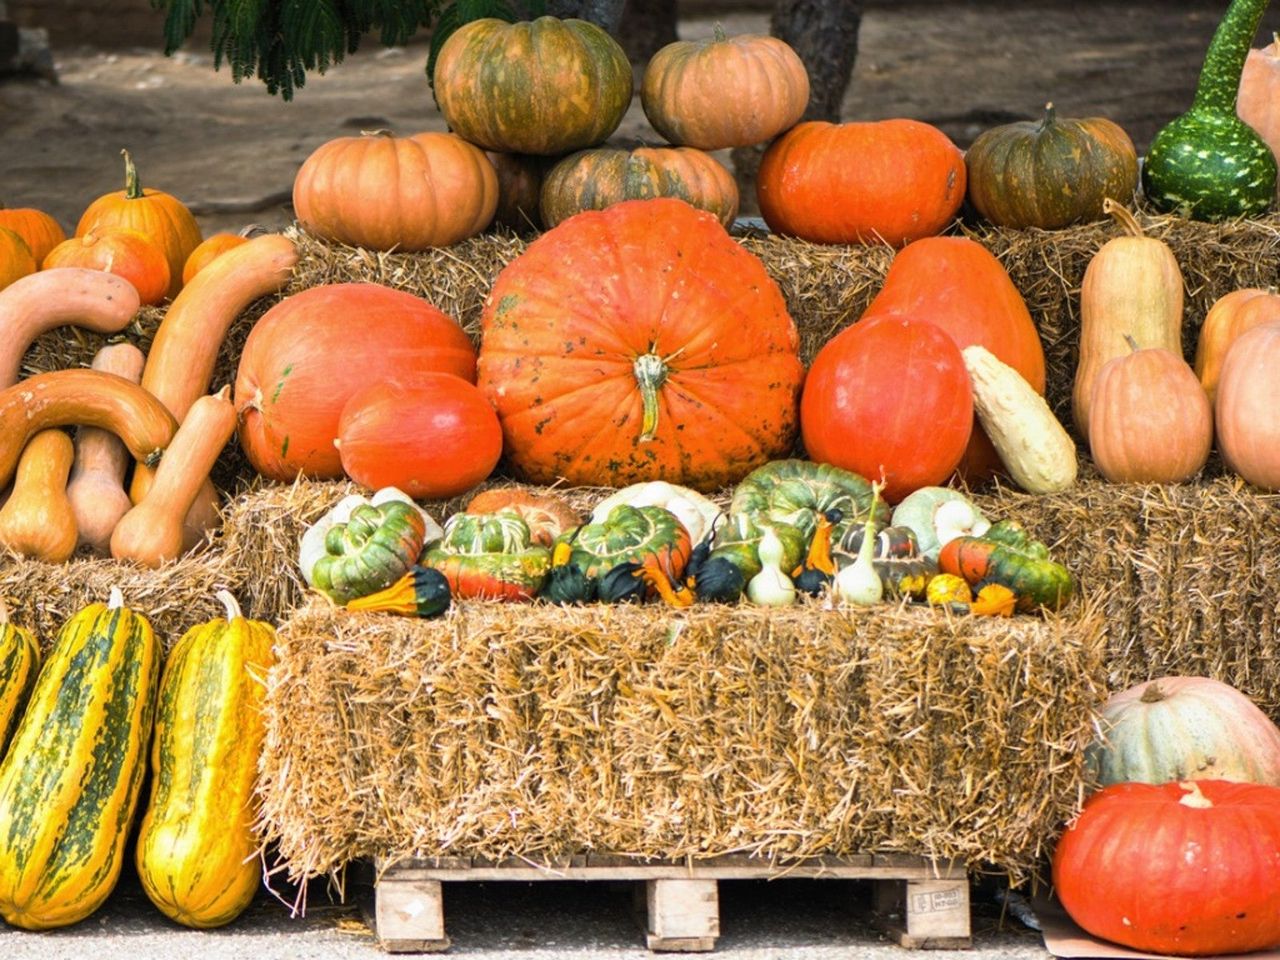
(542, 732)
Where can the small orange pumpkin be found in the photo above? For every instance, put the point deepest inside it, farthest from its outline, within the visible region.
(16, 260)
(1230, 316)
(213, 247)
(41, 232)
(126, 253)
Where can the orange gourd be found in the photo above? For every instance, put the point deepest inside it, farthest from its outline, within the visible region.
(40, 231)
(211, 248)
(37, 521)
(126, 253)
(1246, 404)
(1230, 316)
(1258, 99)
(16, 260)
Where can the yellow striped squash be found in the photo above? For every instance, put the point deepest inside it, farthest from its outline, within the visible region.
(71, 778)
(196, 848)
(19, 663)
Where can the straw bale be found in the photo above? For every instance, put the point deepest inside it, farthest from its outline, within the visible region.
(542, 732)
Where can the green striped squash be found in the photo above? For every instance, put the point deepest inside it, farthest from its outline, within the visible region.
(70, 781)
(19, 663)
(196, 847)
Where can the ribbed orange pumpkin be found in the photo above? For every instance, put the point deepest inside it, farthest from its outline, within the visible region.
(725, 91)
(210, 249)
(1258, 100)
(406, 193)
(595, 179)
(1231, 315)
(892, 181)
(1246, 405)
(16, 260)
(41, 232)
(640, 343)
(545, 86)
(163, 218)
(126, 253)
(1149, 419)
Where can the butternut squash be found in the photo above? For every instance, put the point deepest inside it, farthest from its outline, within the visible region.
(151, 533)
(1132, 286)
(96, 489)
(81, 397)
(37, 521)
(92, 299)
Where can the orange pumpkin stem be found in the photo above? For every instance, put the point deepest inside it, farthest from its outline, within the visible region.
(132, 189)
(651, 373)
(1123, 217)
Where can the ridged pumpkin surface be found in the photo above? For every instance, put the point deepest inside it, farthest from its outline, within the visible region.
(197, 833)
(40, 231)
(19, 663)
(640, 343)
(70, 781)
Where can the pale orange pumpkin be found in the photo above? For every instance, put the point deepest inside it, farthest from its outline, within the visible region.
(128, 254)
(213, 247)
(1258, 100)
(1246, 404)
(1230, 316)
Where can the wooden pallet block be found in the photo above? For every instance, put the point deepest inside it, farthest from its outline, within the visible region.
(920, 903)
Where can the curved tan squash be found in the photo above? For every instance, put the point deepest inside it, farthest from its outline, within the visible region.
(151, 533)
(96, 488)
(92, 299)
(37, 521)
(81, 397)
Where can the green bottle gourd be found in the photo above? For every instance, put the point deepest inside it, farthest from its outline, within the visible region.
(1208, 164)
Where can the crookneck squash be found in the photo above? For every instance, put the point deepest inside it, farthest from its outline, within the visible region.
(71, 778)
(196, 844)
(422, 592)
(19, 664)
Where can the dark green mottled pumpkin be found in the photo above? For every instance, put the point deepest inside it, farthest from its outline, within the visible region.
(630, 534)
(545, 86)
(1052, 172)
(595, 179)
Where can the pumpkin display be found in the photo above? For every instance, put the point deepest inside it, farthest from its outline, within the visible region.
(1184, 728)
(158, 215)
(519, 189)
(1229, 316)
(724, 91)
(889, 181)
(545, 86)
(126, 253)
(640, 343)
(1257, 100)
(595, 179)
(957, 284)
(889, 398)
(301, 365)
(432, 435)
(490, 556)
(16, 260)
(1050, 173)
(1150, 420)
(1006, 554)
(1209, 848)
(39, 230)
(386, 192)
(19, 665)
(368, 551)
(797, 492)
(1132, 287)
(1244, 410)
(210, 248)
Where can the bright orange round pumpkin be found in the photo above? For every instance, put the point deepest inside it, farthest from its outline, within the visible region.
(126, 253)
(889, 397)
(724, 91)
(162, 217)
(545, 86)
(1245, 408)
(406, 193)
(958, 285)
(40, 231)
(432, 435)
(640, 343)
(210, 249)
(890, 181)
(309, 353)
(16, 260)
(1231, 315)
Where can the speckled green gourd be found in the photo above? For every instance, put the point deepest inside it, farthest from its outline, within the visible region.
(1208, 164)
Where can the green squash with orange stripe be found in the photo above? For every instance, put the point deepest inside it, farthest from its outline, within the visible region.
(70, 781)
(19, 663)
(196, 845)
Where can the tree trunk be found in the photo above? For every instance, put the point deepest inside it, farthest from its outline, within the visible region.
(603, 13)
(647, 26)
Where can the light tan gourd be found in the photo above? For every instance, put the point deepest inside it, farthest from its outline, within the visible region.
(96, 489)
(37, 521)
(1034, 447)
(1132, 286)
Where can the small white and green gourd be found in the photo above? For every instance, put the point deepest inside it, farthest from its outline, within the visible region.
(771, 587)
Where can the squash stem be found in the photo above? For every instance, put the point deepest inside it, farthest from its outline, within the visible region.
(132, 189)
(651, 373)
(1219, 83)
(719, 33)
(1133, 344)
(115, 600)
(229, 604)
(1122, 216)
(1195, 796)
(1050, 114)
(1152, 693)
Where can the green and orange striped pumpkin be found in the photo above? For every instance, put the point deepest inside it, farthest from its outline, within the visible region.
(70, 781)
(19, 663)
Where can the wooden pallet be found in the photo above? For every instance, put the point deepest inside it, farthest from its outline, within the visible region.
(919, 903)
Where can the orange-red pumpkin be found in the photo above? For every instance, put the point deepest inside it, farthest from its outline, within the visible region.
(1246, 404)
(41, 232)
(1258, 99)
(309, 353)
(640, 343)
(128, 254)
(210, 249)
(16, 260)
(889, 397)
(406, 193)
(432, 435)
(890, 181)
(1231, 315)
(162, 217)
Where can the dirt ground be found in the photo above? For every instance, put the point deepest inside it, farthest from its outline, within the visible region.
(232, 150)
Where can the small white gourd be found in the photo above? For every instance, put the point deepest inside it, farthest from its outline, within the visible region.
(771, 587)
(859, 583)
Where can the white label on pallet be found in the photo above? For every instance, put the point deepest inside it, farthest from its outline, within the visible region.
(936, 901)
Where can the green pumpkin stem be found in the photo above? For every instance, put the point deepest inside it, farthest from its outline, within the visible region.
(1122, 216)
(1050, 116)
(1224, 62)
(132, 189)
(651, 373)
(719, 33)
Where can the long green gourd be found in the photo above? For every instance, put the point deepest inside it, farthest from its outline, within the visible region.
(1208, 164)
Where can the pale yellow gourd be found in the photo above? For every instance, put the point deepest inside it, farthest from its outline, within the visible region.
(37, 520)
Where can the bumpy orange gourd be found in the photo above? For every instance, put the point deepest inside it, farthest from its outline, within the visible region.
(126, 253)
(1246, 404)
(1231, 315)
(41, 232)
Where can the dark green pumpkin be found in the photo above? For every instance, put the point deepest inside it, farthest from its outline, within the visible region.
(371, 551)
(623, 584)
(568, 584)
(1050, 173)
(544, 87)
(1006, 554)
(1208, 164)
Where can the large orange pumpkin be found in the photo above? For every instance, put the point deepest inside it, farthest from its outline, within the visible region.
(1231, 315)
(959, 286)
(162, 217)
(408, 193)
(16, 260)
(310, 352)
(889, 397)
(640, 343)
(1245, 408)
(40, 231)
(126, 253)
(892, 181)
